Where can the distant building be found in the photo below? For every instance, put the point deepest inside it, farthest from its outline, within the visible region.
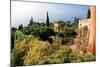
(57, 26)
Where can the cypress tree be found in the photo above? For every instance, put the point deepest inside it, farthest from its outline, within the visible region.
(88, 13)
(47, 20)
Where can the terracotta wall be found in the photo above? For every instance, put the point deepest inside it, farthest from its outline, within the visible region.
(92, 37)
(91, 23)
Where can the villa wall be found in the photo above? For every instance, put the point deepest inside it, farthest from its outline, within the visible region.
(91, 24)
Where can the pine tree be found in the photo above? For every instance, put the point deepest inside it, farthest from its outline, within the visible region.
(47, 20)
(88, 13)
(20, 27)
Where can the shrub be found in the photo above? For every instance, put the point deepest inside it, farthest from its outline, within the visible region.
(63, 55)
(45, 32)
(13, 30)
(19, 35)
(38, 52)
(30, 50)
(57, 42)
(88, 57)
(20, 48)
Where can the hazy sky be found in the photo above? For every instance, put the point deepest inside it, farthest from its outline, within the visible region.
(22, 11)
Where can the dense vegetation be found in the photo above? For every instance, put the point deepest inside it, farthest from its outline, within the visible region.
(38, 43)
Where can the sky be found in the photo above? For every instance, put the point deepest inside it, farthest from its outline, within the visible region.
(21, 12)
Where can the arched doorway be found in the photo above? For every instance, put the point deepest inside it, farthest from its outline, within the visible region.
(85, 30)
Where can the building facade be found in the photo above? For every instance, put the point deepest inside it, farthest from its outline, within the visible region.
(90, 37)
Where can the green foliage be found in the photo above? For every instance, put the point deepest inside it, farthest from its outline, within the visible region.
(65, 25)
(30, 51)
(46, 32)
(18, 50)
(63, 55)
(57, 42)
(31, 44)
(38, 52)
(20, 27)
(89, 57)
(19, 35)
(75, 24)
(39, 29)
(13, 30)
(70, 32)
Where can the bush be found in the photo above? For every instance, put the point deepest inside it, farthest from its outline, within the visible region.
(57, 42)
(63, 55)
(30, 51)
(19, 35)
(39, 29)
(20, 49)
(13, 30)
(88, 57)
(46, 32)
(38, 52)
